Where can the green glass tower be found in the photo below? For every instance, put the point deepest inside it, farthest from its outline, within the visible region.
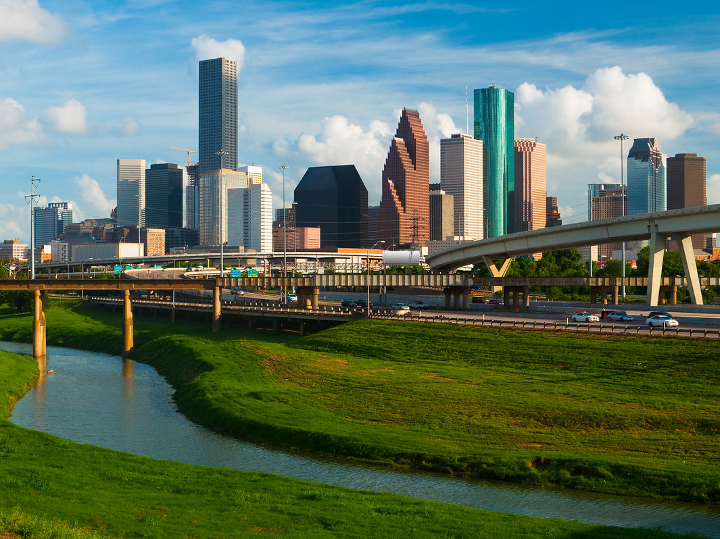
(495, 126)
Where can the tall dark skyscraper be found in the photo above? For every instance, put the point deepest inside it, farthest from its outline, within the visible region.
(218, 120)
(335, 199)
(164, 196)
(495, 126)
(404, 215)
(686, 186)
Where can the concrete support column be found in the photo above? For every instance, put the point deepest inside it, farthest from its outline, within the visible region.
(39, 327)
(275, 326)
(456, 299)
(657, 251)
(302, 328)
(506, 297)
(593, 294)
(466, 299)
(448, 303)
(687, 255)
(127, 324)
(315, 297)
(251, 324)
(673, 294)
(495, 272)
(615, 294)
(526, 298)
(217, 309)
(604, 292)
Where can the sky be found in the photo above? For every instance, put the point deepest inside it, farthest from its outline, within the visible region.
(83, 84)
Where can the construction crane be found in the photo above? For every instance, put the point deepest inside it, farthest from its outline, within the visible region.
(188, 150)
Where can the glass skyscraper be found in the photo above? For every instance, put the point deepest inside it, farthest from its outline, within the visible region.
(646, 181)
(495, 126)
(218, 121)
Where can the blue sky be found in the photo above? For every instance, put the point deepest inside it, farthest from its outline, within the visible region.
(85, 83)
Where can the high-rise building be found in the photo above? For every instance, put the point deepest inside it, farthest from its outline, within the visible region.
(192, 197)
(495, 126)
(335, 199)
(51, 221)
(214, 186)
(606, 201)
(218, 114)
(249, 219)
(163, 196)
(254, 173)
(686, 186)
(442, 213)
(131, 192)
(530, 186)
(646, 185)
(552, 212)
(461, 176)
(372, 225)
(404, 215)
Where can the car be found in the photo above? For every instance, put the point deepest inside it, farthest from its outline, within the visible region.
(362, 302)
(658, 313)
(419, 305)
(401, 309)
(292, 298)
(348, 302)
(621, 316)
(661, 320)
(585, 317)
(495, 301)
(687, 299)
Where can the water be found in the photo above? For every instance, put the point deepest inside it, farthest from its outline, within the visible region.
(119, 404)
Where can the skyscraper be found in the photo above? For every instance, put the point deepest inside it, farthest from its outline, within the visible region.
(442, 213)
(606, 201)
(254, 173)
(686, 186)
(131, 192)
(214, 186)
(192, 197)
(51, 221)
(404, 215)
(495, 126)
(163, 196)
(530, 186)
(218, 120)
(646, 183)
(461, 175)
(249, 220)
(335, 199)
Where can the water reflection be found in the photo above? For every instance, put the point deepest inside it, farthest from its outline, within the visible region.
(111, 402)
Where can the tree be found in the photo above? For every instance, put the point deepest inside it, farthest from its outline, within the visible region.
(613, 268)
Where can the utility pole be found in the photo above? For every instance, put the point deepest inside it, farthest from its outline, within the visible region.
(31, 199)
(283, 294)
(623, 191)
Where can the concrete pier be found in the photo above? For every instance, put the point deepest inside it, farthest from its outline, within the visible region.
(127, 324)
(39, 326)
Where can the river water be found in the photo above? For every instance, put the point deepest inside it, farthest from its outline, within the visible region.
(119, 404)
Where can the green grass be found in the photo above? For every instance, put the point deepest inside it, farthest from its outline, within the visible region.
(391, 393)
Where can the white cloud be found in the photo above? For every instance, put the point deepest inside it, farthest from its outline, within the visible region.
(26, 20)
(130, 126)
(70, 118)
(712, 189)
(207, 48)
(15, 222)
(437, 126)
(16, 127)
(92, 196)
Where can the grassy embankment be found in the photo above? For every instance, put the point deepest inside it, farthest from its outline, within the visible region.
(53, 488)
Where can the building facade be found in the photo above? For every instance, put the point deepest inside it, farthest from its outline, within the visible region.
(298, 239)
(163, 196)
(461, 176)
(606, 201)
(213, 189)
(442, 213)
(552, 212)
(686, 186)
(250, 217)
(403, 218)
(131, 192)
(530, 186)
(334, 199)
(50, 222)
(646, 180)
(192, 197)
(495, 125)
(218, 120)
(254, 173)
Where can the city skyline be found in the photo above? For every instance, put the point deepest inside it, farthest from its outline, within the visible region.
(319, 86)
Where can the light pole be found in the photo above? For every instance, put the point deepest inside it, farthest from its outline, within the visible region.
(32, 199)
(283, 293)
(621, 137)
(221, 153)
(367, 305)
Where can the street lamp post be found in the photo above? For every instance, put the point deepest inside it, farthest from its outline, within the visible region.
(32, 199)
(283, 293)
(221, 153)
(367, 305)
(621, 137)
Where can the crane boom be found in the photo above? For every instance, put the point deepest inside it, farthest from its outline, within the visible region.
(188, 150)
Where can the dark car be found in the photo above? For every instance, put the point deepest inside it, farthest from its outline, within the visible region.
(348, 302)
(362, 302)
(659, 313)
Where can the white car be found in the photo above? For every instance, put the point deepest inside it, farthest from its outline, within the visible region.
(400, 309)
(661, 320)
(585, 317)
(621, 316)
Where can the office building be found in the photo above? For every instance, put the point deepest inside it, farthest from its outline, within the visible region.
(131, 192)
(334, 199)
(176, 238)
(218, 119)
(192, 197)
(372, 225)
(249, 220)
(646, 181)
(59, 251)
(495, 126)
(552, 212)
(606, 201)
(254, 173)
(403, 219)
(51, 221)
(214, 185)
(301, 238)
(530, 186)
(14, 250)
(461, 176)
(164, 196)
(442, 213)
(686, 187)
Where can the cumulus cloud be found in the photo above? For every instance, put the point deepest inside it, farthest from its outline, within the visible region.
(27, 21)
(437, 126)
(70, 118)
(92, 197)
(207, 48)
(16, 127)
(15, 222)
(712, 189)
(130, 126)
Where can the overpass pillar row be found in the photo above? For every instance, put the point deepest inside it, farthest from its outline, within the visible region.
(39, 327)
(217, 309)
(127, 324)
